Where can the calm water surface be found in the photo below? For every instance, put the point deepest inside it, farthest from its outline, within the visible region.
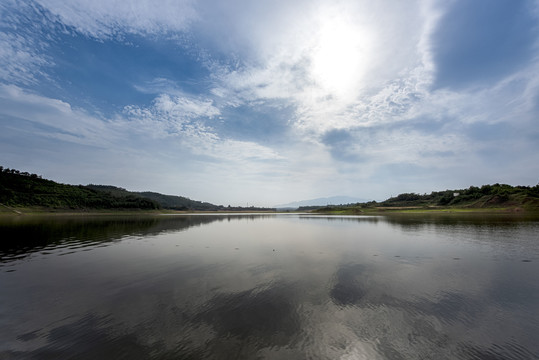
(269, 287)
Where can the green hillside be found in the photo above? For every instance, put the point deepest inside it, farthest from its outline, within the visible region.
(179, 202)
(22, 189)
(173, 202)
(165, 201)
(497, 196)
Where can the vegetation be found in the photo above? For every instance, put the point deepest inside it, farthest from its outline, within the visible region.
(30, 190)
(22, 189)
(171, 202)
(487, 197)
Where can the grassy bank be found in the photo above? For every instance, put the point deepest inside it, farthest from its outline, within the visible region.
(37, 210)
(426, 210)
(497, 198)
(6, 211)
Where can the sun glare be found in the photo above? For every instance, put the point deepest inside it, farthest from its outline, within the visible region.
(339, 58)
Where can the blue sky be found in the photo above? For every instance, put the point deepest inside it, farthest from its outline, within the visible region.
(268, 102)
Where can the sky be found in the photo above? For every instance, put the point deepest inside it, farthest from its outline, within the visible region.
(271, 101)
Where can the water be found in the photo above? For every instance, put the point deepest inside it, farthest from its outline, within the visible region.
(269, 287)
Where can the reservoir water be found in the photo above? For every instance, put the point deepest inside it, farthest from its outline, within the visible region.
(269, 287)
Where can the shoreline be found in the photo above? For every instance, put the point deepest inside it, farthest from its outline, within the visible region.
(380, 211)
(6, 211)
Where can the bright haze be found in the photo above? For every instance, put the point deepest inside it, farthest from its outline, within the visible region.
(271, 101)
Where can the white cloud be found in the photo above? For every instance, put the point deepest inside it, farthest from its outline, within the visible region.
(172, 115)
(362, 67)
(347, 64)
(166, 134)
(332, 60)
(185, 107)
(512, 100)
(238, 151)
(106, 18)
(183, 117)
(22, 59)
(175, 120)
(69, 124)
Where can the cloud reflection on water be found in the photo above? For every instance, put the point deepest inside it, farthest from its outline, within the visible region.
(274, 287)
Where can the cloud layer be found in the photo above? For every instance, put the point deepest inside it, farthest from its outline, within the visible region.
(300, 99)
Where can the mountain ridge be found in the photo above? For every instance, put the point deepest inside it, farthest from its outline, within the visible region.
(496, 196)
(323, 201)
(23, 189)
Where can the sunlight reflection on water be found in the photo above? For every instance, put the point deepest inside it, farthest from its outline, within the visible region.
(269, 286)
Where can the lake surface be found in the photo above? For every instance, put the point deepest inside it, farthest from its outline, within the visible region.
(269, 287)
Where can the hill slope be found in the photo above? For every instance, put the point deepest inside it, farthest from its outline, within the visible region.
(22, 189)
(25, 189)
(485, 197)
(172, 202)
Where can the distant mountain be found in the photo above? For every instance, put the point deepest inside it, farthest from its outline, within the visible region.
(172, 202)
(333, 200)
(179, 202)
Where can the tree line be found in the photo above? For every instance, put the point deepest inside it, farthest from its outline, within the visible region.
(497, 193)
(25, 189)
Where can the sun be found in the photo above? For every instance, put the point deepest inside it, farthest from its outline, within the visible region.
(340, 55)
